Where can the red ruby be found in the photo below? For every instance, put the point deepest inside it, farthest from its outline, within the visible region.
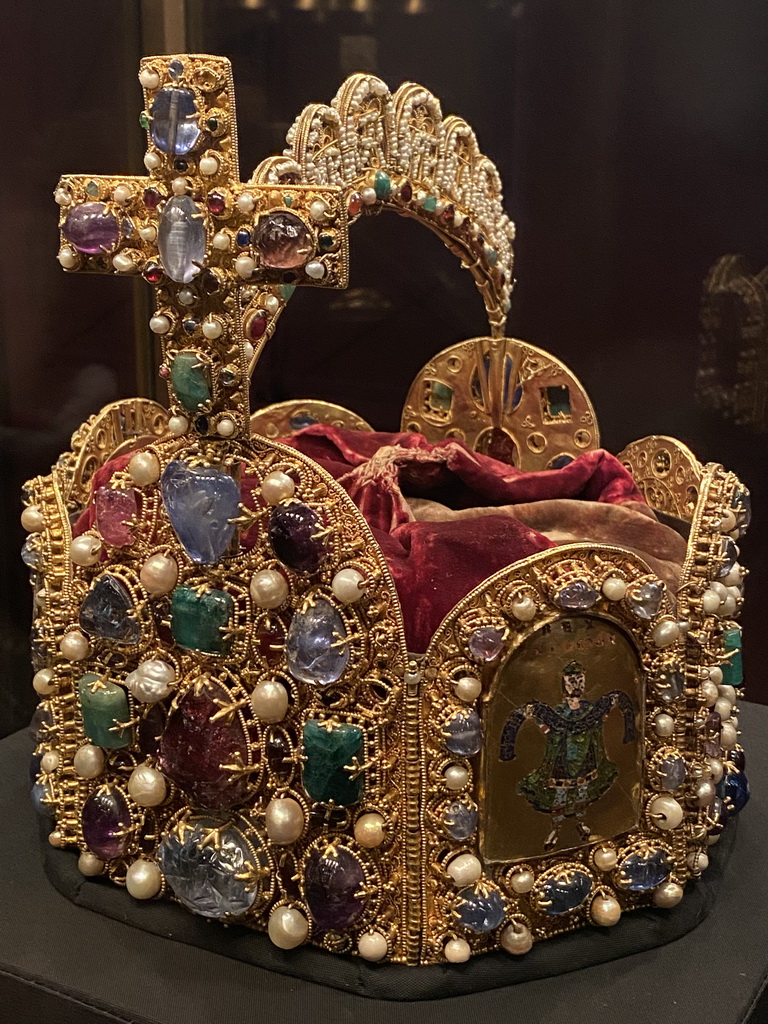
(217, 204)
(406, 192)
(152, 198)
(153, 273)
(448, 213)
(257, 325)
(270, 640)
(355, 204)
(165, 372)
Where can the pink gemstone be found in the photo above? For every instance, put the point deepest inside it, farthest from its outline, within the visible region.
(282, 240)
(116, 512)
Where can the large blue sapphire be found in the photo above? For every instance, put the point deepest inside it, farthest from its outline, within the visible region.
(174, 126)
(201, 503)
(315, 648)
(644, 870)
(565, 891)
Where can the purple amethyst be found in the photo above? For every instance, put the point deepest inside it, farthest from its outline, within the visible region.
(577, 596)
(106, 823)
(91, 228)
(293, 534)
(486, 642)
(332, 883)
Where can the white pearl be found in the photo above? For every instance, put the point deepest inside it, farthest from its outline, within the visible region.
(728, 735)
(269, 588)
(44, 682)
(716, 675)
(269, 700)
(178, 425)
(148, 233)
(711, 840)
(144, 468)
(159, 574)
(271, 303)
(32, 519)
(464, 869)
(709, 693)
(605, 911)
(664, 725)
(315, 269)
(122, 194)
(147, 786)
(50, 761)
(56, 838)
(149, 79)
(728, 607)
(152, 160)
(716, 769)
(284, 820)
(74, 646)
(221, 241)
(719, 588)
(614, 588)
(522, 881)
(724, 708)
(705, 793)
(248, 351)
(143, 879)
(524, 608)
(733, 579)
(88, 761)
(159, 324)
(710, 601)
(516, 939)
(186, 296)
(245, 266)
(179, 186)
(208, 165)
(347, 585)
(62, 196)
(226, 426)
(317, 210)
(665, 633)
(468, 688)
(152, 681)
(728, 522)
(68, 258)
(457, 951)
(212, 328)
(606, 858)
(665, 812)
(85, 550)
(89, 864)
(287, 927)
(369, 830)
(668, 895)
(456, 776)
(729, 692)
(372, 946)
(697, 862)
(245, 202)
(277, 487)
(368, 195)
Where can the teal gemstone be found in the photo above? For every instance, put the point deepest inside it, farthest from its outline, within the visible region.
(198, 620)
(103, 704)
(92, 189)
(189, 381)
(328, 753)
(733, 672)
(288, 199)
(382, 186)
(286, 291)
(492, 255)
(430, 204)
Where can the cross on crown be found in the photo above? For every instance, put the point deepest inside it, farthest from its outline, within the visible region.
(222, 256)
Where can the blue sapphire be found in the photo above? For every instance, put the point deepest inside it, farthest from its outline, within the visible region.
(730, 557)
(302, 420)
(190, 326)
(243, 237)
(464, 734)
(174, 125)
(201, 503)
(34, 767)
(181, 239)
(30, 554)
(480, 908)
(42, 722)
(107, 611)
(577, 596)
(460, 820)
(176, 68)
(314, 647)
(561, 461)
(41, 796)
(565, 891)
(645, 870)
(735, 791)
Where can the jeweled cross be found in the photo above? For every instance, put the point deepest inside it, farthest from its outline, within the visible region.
(222, 256)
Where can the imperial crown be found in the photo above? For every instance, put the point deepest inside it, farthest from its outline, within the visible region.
(411, 696)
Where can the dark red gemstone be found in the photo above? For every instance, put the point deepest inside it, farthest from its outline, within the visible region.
(406, 192)
(279, 753)
(448, 213)
(355, 204)
(257, 326)
(270, 639)
(151, 728)
(217, 204)
(294, 535)
(153, 273)
(106, 823)
(164, 372)
(152, 198)
(332, 882)
(195, 749)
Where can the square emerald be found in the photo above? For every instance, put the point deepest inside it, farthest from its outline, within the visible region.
(199, 619)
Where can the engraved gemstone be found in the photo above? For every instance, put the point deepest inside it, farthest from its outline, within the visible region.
(565, 892)
(329, 752)
(314, 647)
(189, 380)
(480, 908)
(333, 881)
(181, 239)
(732, 667)
(463, 734)
(207, 878)
(106, 822)
(201, 503)
(486, 642)
(91, 228)
(195, 748)
(293, 534)
(282, 240)
(174, 126)
(103, 704)
(460, 820)
(577, 596)
(645, 601)
(116, 511)
(199, 620)
(645, 870)
(107, 611)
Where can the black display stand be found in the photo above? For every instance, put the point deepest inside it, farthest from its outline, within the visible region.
(61, 963)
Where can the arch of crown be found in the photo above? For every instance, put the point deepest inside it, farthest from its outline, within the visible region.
(235, 691)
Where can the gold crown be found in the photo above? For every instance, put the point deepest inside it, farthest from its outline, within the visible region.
(230, 715)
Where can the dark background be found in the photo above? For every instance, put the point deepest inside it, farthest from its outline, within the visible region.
(632, 139)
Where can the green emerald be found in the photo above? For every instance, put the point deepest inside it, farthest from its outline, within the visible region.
(288, 199)
(198, 620)
(440, 396)
(733, 672)
(329, 753)
(103, 705)
(189, 380)
(430, 204)
(144, 120)
(382, 186)
(92, 188)
(286, 291)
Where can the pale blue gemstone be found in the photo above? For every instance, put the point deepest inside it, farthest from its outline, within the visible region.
(41, 794)
(107, 611)
(312, 647)
(642, 871)
(181, 239)
(463, 734)
(204, 878)
(566, 892)
(645, 602)
(174, 126)
(201, 503)
(481, 909)
(460, 820)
